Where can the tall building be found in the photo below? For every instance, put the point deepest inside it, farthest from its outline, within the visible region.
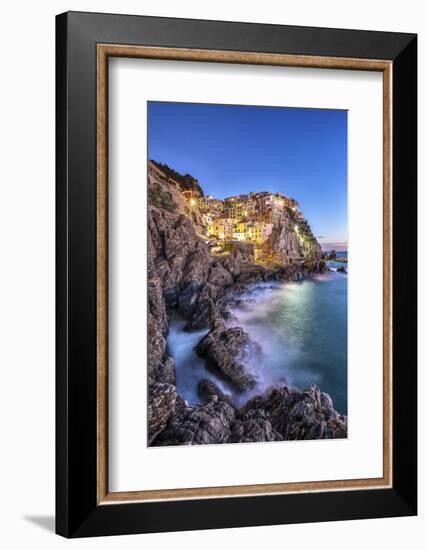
(246, 218)
(254, 231)
(221, 228)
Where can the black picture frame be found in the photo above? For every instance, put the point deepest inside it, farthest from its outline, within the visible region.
(77, 511)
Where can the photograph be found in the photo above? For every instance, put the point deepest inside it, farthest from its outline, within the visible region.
(247, 273)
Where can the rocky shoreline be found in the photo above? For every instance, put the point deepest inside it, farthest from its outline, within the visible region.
(184, 277)
(279, 414)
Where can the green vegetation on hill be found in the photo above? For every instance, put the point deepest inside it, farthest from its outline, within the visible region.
(186, 181)
(161, 199)
(291, 213)
(305, 232)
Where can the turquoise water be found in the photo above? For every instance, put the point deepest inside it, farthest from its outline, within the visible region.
(302, 332)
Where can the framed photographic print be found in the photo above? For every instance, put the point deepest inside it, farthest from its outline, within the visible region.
(236, 305)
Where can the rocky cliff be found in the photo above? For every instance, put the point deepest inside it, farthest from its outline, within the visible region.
(186, 182)
(184, 277)
(291, 241)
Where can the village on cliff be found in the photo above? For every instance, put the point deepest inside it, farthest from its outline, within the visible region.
(253, 218)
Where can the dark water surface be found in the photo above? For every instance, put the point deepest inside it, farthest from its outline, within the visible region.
(301, 329)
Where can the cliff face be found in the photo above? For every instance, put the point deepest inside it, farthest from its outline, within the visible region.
(291, 240)
(170, 196)
(310, 249)
(186, 182)
(185, 277)
(182, 275)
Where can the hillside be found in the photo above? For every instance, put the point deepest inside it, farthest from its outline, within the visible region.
(185, 181)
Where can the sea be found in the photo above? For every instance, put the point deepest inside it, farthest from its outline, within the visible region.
(301, 329)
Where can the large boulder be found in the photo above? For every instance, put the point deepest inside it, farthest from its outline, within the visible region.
(161, 405)
(157, 329)
(219, 275)
(255, 426)
(197, 303)
(283, 243)
(208, 388)
(175, 251)
(305, 415)
(198, 425)
(224, 351)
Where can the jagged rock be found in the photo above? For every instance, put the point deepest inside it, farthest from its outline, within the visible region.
(305, 415)
(198, 425)
(166, 373)
(157, 328)
(326, 402)
(231, 264)
(219, 275)
(254, 274)
(314, 266)
(187, 298)
(341, 269)
(207, 389)
(162, 398)
(197, 303)
(321, 266)
(254, 427)
(242, 253)
(224, 350)
(279, 414)
(168, 175)
(175, 251)
(283, 243)
(269, 401)
(166, 194)
(309, 248)
(178, 262)
(197, 263)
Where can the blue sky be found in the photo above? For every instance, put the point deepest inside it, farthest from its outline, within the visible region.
(234, 149)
